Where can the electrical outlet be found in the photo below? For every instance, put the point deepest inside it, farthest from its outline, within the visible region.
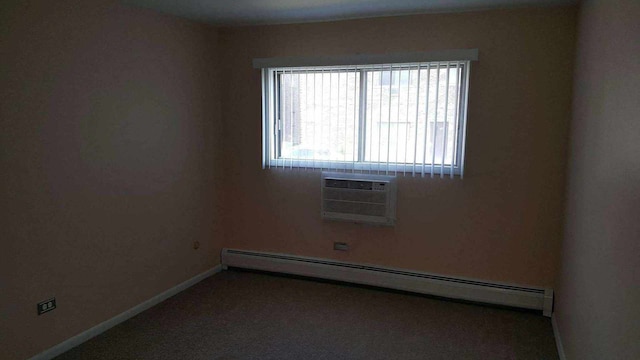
(46, 306)
(340, 246)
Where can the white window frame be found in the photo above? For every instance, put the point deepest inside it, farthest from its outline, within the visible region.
(363, 63)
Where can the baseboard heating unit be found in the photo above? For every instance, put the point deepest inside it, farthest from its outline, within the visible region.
(418, 282)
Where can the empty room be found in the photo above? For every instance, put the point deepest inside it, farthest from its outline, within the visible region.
(319, 179)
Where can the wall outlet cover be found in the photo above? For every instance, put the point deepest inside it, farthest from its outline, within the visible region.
(340, 246)
(46, 306)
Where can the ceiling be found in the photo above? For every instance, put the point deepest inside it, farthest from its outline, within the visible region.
(252, 12)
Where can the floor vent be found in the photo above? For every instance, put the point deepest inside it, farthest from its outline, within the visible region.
(419, 282)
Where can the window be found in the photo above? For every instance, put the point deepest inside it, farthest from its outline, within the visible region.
(404, 118)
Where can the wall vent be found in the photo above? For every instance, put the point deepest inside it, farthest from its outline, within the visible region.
(355, 197)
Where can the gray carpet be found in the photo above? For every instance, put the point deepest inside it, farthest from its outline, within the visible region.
(240, 315)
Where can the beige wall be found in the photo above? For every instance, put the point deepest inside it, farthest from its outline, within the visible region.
(109, 117)
(113, 163)
(502, 222)
(598, 303)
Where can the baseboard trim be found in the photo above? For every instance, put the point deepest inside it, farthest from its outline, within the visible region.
(394, 278)
(556, 335)
(108, 324)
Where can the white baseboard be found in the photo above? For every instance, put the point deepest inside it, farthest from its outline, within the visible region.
(108, 324)
(556, 335)
(400, 279)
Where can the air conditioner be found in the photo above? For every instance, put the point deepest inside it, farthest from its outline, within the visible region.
(363, 198)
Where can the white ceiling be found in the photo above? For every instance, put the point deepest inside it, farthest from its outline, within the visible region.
(249, 12)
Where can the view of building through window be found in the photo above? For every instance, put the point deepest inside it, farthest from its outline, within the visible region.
(386, 114)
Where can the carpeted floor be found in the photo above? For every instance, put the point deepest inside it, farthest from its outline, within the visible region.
(242, 315)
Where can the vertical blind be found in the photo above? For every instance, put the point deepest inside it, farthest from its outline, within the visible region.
(390, 119)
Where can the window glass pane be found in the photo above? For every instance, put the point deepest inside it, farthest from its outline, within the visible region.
(319, 113)
(393, 131)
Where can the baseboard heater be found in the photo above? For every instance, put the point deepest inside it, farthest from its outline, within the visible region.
(398, 279)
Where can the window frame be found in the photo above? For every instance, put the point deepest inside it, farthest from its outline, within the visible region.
(270, 80)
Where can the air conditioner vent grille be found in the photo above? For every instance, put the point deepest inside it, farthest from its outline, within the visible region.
(355, 184)
(348, 207)
(359, 197)
(377, 197)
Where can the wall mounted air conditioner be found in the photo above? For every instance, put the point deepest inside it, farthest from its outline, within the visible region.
(363, 198)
